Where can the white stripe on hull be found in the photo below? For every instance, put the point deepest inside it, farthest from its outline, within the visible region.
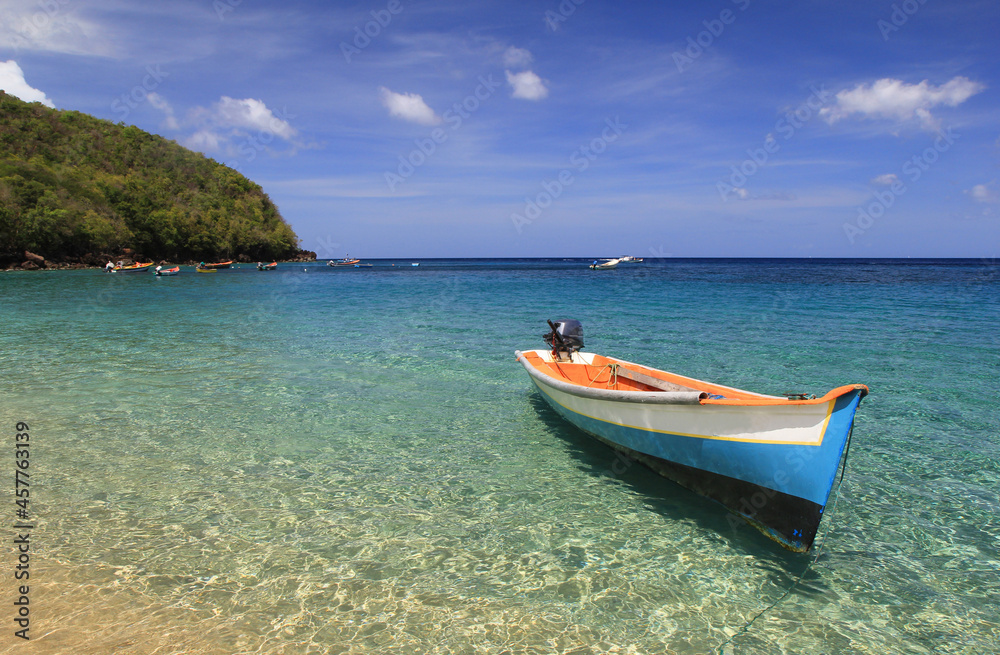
(789, 425)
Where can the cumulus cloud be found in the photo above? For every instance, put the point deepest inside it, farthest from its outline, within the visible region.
(231, 126)
(527, 85)
(984, 192)
(252, 115)
(408, 107)
(12, 81)
(894, 99)
(886, 180)
(517, 58)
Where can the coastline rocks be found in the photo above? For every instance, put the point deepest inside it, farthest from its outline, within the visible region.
(37, 259)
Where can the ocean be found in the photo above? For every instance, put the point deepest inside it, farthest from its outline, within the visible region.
(318, 460)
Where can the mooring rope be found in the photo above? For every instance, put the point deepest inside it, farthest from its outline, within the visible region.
(801, 576)
(612, 376)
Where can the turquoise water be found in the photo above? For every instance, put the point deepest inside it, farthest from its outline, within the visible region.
(350, 461)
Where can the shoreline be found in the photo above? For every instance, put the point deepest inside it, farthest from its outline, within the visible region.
(34, 262)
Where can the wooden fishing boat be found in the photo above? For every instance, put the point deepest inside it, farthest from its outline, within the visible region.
(219, 265)
(261, 266)
(770, 459)
(166, 272)
(606, 264)
(205, 269)
(132, 268)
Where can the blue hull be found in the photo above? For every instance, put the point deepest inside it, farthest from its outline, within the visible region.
(770, 460)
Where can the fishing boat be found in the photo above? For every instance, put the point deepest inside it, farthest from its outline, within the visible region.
(606, 264)
(218, 265)
(166, 272)
(132, 268)
(261, 266)
(204, 268)
(770, 459)
(346, 261)
(630, 259)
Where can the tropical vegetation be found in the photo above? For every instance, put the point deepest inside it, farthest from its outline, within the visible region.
(73, 185)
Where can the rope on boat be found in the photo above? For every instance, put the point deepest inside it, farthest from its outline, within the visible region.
(819, 551)
(613, 376)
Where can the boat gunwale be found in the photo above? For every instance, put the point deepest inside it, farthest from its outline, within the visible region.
(703, 396)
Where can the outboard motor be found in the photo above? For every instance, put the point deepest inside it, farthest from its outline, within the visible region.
(565, 338)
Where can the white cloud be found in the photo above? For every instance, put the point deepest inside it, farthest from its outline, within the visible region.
(252, 115)
(408, 107)
(12, 81)
(234, 127)
(204, 141)
(159, 102)
(527, 85)
(886, 180)
(52, 27)
(894, 99)
(517, 58)
(984, 192)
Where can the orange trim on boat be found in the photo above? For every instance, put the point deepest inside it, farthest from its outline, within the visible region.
(600, 375)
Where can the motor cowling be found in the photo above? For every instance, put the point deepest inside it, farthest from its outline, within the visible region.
(566, 336)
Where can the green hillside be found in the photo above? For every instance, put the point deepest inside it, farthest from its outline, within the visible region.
(73, 185)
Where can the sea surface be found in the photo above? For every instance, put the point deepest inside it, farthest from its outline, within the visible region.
(314, 460)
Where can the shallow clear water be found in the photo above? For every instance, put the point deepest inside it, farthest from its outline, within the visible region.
(351, 461)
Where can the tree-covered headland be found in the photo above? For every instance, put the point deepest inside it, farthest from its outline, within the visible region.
(74, 188)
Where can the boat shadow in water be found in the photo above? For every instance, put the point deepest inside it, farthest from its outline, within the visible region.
(676, 503)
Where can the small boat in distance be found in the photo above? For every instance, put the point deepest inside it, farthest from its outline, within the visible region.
(346, 261)
(218, 264)
(205, 268)
(261, 266)
(631, 259)
(166, 272)
(131, 268)
(771, 460)
(606, 264)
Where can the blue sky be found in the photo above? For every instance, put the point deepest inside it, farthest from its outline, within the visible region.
(398, 128)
